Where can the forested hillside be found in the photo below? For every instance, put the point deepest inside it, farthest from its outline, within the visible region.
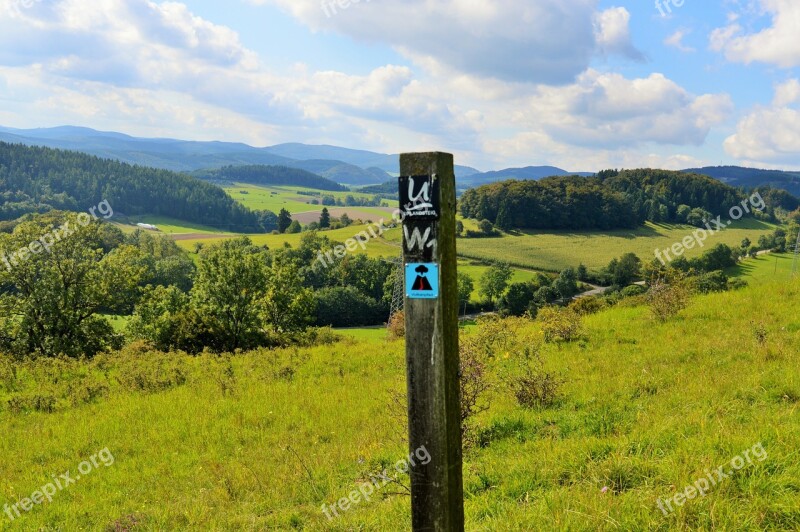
(37, 180)
(269, 176)
(738, 176)
(612, 200)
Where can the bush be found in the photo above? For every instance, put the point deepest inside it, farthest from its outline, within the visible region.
(32, 403)
(150, 371)
(667, 299)
(492, 337)
(633, 290)
(347, 307)
(560, 324)
(535, 387)
(397, 326)
(707, 283)
(588, 305)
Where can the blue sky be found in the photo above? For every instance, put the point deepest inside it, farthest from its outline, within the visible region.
(580, 84)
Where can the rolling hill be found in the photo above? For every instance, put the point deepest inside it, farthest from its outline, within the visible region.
(36, 180)
(352, 167)
(268, 176)
(738, 176)
(529, 172)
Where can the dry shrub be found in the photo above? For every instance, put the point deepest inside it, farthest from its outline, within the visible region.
(533, 386)
(667, 298)
(397, 326)
(493, 338)
(588, 305)
(560, 324)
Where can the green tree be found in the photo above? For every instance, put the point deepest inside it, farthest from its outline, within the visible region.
(465, 288)
(288, 305)
(517, 299)
(623, 271)
(294, 228)
(459, 227)
(325, 218)
(504, 217)
(583, 273)
(231, 283)
(154, 318)
(284, 220)
(50, 302)
(486, 227)
(567, 283)
(495, 280)
(345, 220)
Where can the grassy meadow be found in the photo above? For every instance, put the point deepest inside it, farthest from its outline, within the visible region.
(556, 250)
(262, 440)
(285, 197)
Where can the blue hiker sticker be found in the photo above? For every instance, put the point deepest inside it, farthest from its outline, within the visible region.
(422, 281)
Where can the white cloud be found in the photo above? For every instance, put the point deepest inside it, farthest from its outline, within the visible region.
(613, 35)
(787, 93)
(542, 41)
(676, 41)
(777, 44)
(159, 70)
(770, 135)
(607, 110)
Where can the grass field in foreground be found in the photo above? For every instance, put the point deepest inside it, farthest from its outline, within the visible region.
(263, 440)
(556, 250)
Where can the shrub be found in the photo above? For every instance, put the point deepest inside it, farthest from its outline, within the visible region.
(8, 374)
(667, 299)
(347, 307)
(588, 305)
(560, 324)
(397, 326)
(534, 387)
(492, 337)
(32, 403)
(150, 372)
(715, 281)
(633, 290)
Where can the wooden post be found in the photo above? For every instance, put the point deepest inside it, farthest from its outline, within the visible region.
(428, 205)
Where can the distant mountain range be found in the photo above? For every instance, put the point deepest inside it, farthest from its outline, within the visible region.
(738, 176)
(529, 172)
(343, 165)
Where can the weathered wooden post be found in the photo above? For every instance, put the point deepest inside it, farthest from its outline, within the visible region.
(428, 204)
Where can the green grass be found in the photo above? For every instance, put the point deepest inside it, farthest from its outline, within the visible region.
(771, 267)
(647, 409)
(172, 226)
(283, 197)
(556, 250)
(369, 334)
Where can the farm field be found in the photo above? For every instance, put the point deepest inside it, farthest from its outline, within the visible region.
(276, 198)
(173, 227)
(556, 250)
(263, 440)
(765, 268)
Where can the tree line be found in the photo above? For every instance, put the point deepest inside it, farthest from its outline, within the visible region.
(269, 176)
(237, 295)
(39, 180)
(613, 199)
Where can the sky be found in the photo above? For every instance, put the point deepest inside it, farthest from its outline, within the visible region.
(579, 84)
